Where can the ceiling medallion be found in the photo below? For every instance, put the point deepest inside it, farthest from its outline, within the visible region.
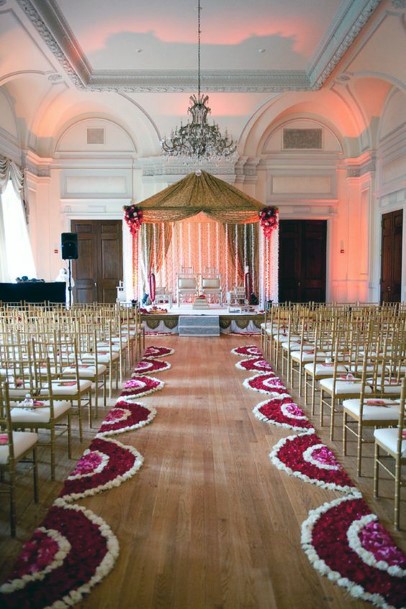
(198, 140)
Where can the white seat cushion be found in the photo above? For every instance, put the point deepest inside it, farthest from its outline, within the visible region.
(22, 441)
(343, 386)
(374, 409)
(388, 437)
(323, 369)
(39, 415)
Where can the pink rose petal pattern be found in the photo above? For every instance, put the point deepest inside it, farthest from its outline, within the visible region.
(93, 550)
(255, 364)
(157, 351)
(149, 366)
(141, 385)
(120, 464)
(247, 351)
(344, 556)
(283, 412)
(266, 383)
(126, 416)
(306, 457)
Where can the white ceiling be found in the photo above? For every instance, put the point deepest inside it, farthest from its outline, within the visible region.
(151, 45)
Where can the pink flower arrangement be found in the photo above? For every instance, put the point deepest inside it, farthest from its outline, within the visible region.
(268, 218)
(133, 217)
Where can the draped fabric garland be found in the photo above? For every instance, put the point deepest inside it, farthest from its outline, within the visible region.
(204, 222)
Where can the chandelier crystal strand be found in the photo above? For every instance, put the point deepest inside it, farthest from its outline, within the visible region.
(197, 139)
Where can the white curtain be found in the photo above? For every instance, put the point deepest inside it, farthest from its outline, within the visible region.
(16, 257)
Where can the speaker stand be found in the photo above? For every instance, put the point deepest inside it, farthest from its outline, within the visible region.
(69, 283)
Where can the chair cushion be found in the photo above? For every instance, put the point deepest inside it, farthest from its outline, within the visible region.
(38, 415)
(210, 283)
(323, 369)
(374, 409)
(388, 438)
(186, 283)
(343, 386)
(22, 440)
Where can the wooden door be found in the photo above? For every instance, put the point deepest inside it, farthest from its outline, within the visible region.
(302, 260)
(99, 266)
(391, 256)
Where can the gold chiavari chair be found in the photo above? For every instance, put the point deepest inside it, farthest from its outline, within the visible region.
(15, 447)
(41, 413)
(369, 410)
(390, 449)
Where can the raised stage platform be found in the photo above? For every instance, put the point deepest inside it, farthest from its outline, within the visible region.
(231, 320)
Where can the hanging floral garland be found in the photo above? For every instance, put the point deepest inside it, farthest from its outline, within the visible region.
(133, 217)
(268, 218)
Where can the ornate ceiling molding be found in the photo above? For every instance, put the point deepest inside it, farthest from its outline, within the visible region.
(54, 30)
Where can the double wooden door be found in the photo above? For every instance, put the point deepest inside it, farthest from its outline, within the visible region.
(302, 260)
(391, 256)
(99, 266)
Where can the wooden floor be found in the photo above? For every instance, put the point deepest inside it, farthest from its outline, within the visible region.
(208, 522)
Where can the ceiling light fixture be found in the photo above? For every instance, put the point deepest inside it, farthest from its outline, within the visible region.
(197, 139)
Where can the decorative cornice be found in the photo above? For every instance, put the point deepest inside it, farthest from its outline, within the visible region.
(51, 25)
(213, 81)
(339, 39)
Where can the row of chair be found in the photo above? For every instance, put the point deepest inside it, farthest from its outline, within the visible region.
(354, 358)
(53, 364)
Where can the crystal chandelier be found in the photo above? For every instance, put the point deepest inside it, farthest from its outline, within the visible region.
(198, 140)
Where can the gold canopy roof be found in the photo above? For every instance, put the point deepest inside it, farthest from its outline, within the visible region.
(201, 192)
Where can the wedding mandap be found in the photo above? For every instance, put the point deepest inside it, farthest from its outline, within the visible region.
(202, 224)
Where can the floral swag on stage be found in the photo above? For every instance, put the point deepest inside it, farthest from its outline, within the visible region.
(268, 218)
(133, 218)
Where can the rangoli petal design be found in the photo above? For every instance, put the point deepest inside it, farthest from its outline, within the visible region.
(306, 457)
(149, 366)
(126, 415)
(344, 541)
(157, 351)
(141, 385)
(283, 412)
(255, 364)
(120, 463)
(247, 351)
(86, 552)
(266, 383)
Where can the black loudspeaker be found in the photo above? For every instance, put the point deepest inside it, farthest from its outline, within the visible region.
(69, 246)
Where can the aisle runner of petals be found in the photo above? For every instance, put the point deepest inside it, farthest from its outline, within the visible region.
(149, 366)
(343, 538)
(71, 552)
(74, 549)
(126, 415)
(141, 385)
(255, 364)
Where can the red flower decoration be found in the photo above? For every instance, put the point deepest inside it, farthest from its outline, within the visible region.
(306, 457)
(126, 416)
(266, 383)
(133, 217)
(268, 218)
(247, 351)
(255, 364)
(157, 351)
(115, 463)
(150, 365)
(283, 412)
(344, 541)
(41, 578)
(141, 385)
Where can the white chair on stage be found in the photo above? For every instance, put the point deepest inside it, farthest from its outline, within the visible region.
(187, 284)
(210, 284)
(163, 296)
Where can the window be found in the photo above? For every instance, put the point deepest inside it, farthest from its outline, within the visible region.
(17, 246)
